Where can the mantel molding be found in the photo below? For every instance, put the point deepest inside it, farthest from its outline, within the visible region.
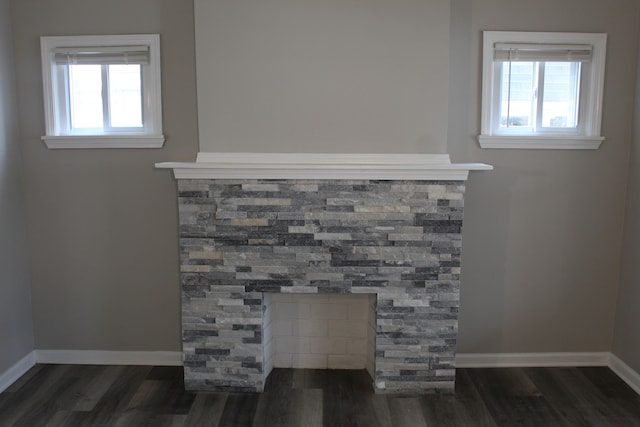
(322, 166)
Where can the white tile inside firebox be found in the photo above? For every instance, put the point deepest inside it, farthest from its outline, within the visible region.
(352, 328)
(319, 331)
(282, 328)
(310, 328)
(345, 361)
(356, 310)
(357, 346)
(309, 361)
(322, 311)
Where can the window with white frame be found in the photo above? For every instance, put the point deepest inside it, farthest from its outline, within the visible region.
(542, 90)
(102, 91)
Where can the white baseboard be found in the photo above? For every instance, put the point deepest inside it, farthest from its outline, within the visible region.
(463, 360)
(12, 374)
(98, 357)
(507, 360)
(625, 372)
(531, 360)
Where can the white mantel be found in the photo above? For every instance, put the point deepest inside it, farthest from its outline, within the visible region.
(210, 165)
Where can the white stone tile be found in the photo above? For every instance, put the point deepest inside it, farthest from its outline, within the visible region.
(290, 310)
(279, 297)
(345, 362)
(357, 346)
(314, 299)
(370, 367)
(282, 328)
(286, 345)
(324, 345)
(358, 310)
(282, 360)
(332, 310)
(351, 328)
(268, 367)
(310, 328)
(309, 361)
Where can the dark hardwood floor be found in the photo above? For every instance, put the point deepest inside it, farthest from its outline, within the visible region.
(75, 395)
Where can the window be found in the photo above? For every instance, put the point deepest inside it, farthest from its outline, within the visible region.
(542, 90)
(102, 91)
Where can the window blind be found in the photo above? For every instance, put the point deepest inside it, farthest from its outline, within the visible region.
(101, 55)
(504, 52)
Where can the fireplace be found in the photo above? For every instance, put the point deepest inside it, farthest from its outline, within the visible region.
(385, 226)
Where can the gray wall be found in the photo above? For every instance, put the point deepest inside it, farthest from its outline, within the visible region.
(542, 240)
(16, 326)
(323, 76)
(103, 223)
(543, 231)
(626, 343)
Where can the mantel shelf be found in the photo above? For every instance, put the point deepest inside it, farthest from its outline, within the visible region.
(322, 166)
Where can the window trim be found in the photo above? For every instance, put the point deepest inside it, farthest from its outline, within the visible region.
(150, 136)
(592, 84)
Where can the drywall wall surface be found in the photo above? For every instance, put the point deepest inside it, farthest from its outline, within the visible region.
(626, 344)
(363, 76)
(103, 222)
(543, 231)
(16, 325)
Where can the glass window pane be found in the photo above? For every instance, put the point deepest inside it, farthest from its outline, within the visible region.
(517, 106)
(85, 93)
(125, 96)
(561, 90)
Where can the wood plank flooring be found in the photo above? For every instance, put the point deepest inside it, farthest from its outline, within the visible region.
(78, 395)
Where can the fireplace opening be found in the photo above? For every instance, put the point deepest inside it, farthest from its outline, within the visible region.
(319, 331)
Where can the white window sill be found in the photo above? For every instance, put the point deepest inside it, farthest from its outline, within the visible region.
(104, 141)
(541, 142)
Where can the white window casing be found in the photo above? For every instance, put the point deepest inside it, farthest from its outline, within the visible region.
(61, 53)
(580, 55)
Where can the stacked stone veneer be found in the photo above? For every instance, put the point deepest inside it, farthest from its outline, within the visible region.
(399, 240)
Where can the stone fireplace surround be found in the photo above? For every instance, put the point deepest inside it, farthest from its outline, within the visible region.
(388, 226)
